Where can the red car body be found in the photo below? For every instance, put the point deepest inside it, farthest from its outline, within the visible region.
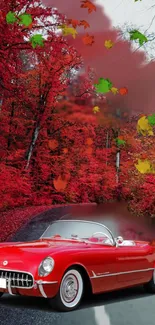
(107, 267)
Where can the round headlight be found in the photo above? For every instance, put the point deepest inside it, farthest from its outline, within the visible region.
(46, 266)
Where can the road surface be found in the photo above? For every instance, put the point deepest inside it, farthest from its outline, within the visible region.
(126, 307)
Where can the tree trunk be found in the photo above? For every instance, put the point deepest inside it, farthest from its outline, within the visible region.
(10, 125)
(32, 144)
(117, 165)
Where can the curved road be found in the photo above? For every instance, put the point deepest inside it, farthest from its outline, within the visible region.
(125, 307)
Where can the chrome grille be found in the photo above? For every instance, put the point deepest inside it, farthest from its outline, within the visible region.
(18, 279)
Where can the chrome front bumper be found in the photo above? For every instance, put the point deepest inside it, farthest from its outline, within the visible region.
(16, 279)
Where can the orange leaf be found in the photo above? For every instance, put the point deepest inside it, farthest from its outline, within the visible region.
(84, 23)
(65, 150)
(60, 184)
(89, 150)
(123, 91)
(68, 58)
(88, 39)
(53, 144)
(143, 156)
(89, 141)
(121, 137)
(89, 5)
(74, 23)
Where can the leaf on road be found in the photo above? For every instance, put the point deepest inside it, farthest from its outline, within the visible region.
(11, 17)
(89, 5)
(25, 19)
(108, 44)
(37, 40)
(88, 39)
(136, 35)
(103, 86)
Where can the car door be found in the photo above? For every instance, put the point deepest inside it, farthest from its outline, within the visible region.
(103, 268)
(134, 263)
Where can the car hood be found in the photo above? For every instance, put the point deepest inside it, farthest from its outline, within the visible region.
(23, 256)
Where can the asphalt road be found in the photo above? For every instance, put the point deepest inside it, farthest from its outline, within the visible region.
(125, 307)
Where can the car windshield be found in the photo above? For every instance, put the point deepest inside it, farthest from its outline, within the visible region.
(80, 230)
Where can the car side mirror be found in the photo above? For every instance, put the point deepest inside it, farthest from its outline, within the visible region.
(119, 240)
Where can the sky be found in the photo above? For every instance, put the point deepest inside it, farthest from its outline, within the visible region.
(122, 11)
(121, 65)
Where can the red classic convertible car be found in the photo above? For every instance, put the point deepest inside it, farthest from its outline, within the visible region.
(71, 258)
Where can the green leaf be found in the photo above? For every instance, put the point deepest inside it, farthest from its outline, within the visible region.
(25, 19)
(103, 86)
(136, 35)
(120, 142)
(151, 119)
(37, 40)
(11, 17)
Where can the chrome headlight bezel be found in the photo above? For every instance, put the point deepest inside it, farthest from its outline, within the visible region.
(42, 271)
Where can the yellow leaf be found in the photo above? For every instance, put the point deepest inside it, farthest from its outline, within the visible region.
(108, 44)
(68, 31)
(144, 127)
(114, 90)
(143, 166)
(96, 109)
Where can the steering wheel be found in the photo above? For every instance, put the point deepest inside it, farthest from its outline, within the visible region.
(103, 234)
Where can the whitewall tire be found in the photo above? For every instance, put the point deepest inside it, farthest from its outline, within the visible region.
(70, 292)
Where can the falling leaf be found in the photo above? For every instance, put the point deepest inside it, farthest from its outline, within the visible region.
(11, 17)
(143, 156)
(89, 5)
(89, 141)
(25, 19)
(120, 141)
(53, 144)
(68, 31)
(144, 127)
(136, 35)
(88, 39)
(96, 109)
(37, 40)
(143, 166)
(60, 184)
(84, 23)
(74, 22)
(68, 58)
(108, 44)
(65, 150)
(123, 91)
(151, 119)
(89, 150)
(103, 86)
(114, 90)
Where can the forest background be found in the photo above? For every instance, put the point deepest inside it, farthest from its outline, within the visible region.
(77, 108)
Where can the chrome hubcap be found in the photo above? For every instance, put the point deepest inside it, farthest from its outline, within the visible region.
(69, 288)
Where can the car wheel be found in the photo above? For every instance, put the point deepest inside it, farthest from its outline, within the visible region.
(70, 292)
(1, 294)
(150, 286)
